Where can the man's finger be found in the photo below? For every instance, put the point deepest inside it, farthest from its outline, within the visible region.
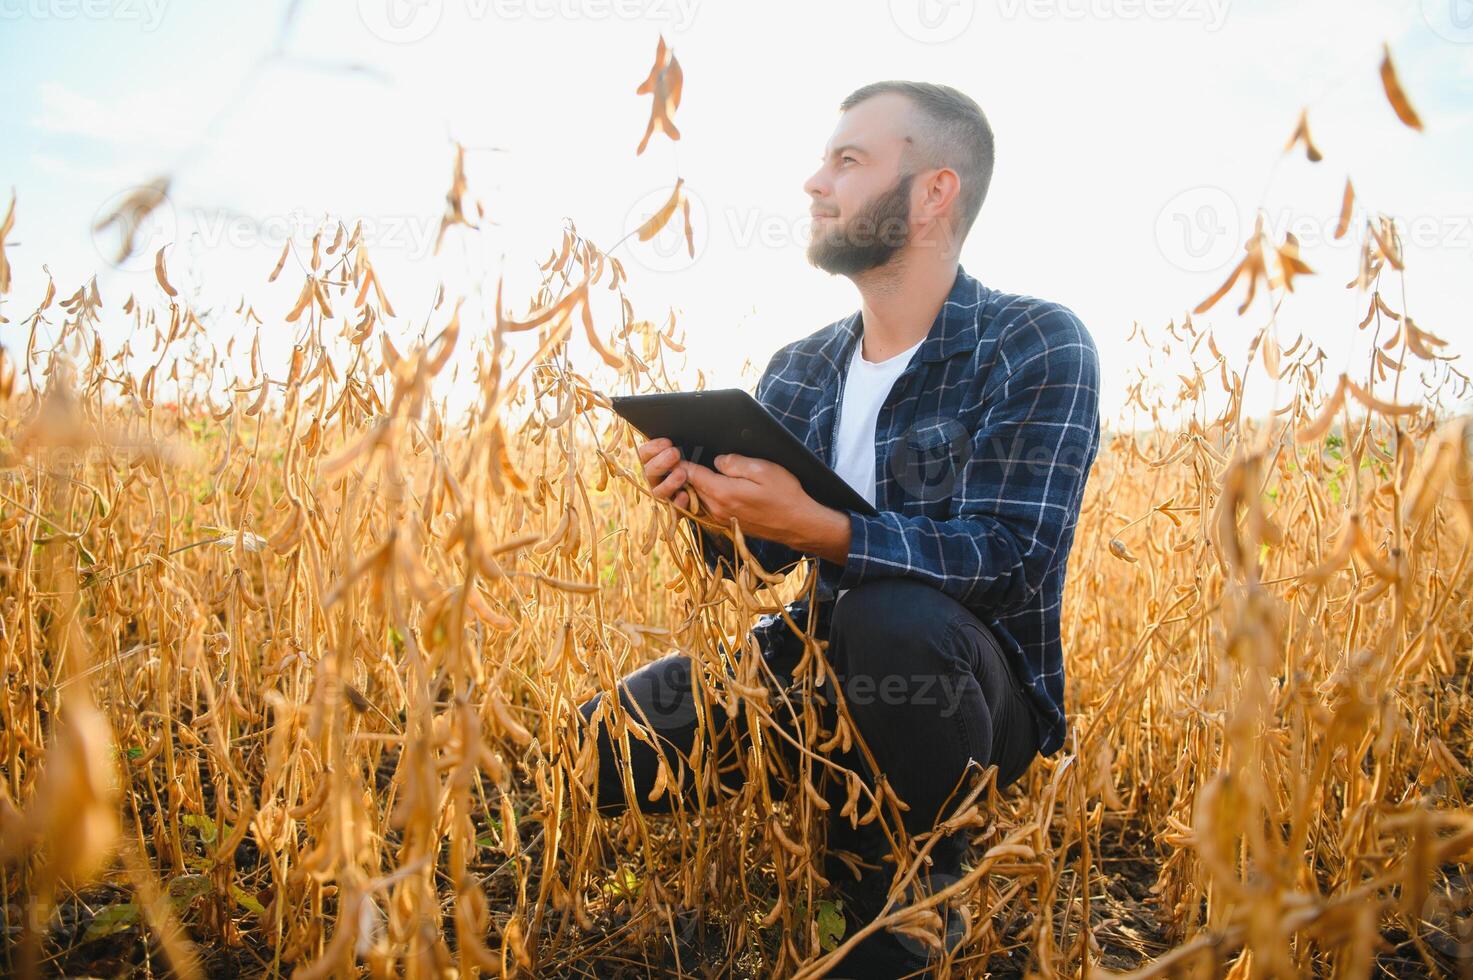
(649, 450)
(735, 464)
(703, 478)
(674, 481)
(697, 471)
(661, 463)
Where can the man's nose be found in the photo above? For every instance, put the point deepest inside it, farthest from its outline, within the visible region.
(815, 186)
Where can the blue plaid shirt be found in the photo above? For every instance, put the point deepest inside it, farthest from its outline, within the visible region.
(982, 449)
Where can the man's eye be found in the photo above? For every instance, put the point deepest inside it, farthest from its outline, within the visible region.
(848, 159)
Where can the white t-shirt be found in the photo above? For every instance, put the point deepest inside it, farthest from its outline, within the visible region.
(865, 389)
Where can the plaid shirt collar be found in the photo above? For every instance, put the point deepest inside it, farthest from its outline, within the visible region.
(957, 331)
(953, 332)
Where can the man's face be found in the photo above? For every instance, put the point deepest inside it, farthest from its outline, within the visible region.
(861, 193)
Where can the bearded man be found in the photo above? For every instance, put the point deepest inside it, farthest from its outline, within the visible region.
(968, 416)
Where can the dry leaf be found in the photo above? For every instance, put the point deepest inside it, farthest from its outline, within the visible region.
(1394, 93)
(161, 274)
(454, 199)
(664, 83)
(1301, 133)
(131, 212)
(658, 220)
(1347, 202)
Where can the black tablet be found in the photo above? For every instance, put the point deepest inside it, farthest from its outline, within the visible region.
(705, 424)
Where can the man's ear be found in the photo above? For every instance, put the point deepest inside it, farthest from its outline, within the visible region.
(941, 189)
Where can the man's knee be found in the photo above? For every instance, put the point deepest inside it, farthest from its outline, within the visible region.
(890, 643)
(661, 693)
(879, 617)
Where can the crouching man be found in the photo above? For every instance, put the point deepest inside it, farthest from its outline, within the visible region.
(968, 417)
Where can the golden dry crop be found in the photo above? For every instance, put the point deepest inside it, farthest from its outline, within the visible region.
(290, 679)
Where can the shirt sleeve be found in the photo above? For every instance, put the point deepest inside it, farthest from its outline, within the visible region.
(1020, 484)
(770, 554)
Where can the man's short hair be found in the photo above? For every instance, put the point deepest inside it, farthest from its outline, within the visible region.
(952, 132)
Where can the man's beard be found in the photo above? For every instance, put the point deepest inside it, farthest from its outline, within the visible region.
(867, 240)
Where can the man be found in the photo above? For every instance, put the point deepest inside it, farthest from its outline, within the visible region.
(969, 418)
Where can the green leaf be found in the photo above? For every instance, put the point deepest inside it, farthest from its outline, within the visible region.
(135, 751)
(247, 901)
(111, 920)
(624, 883)
(186, 888)
(830, 924)
(203, 824)
(486, 840)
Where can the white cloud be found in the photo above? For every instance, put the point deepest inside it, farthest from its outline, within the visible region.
(157, 118)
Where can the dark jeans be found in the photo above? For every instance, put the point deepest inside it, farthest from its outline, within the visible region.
(925, 683)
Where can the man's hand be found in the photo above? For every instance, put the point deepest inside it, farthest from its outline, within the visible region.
(770, 503)
(768, 500)
(666, 479)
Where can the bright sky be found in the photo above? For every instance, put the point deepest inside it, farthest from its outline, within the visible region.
(1135, 138)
